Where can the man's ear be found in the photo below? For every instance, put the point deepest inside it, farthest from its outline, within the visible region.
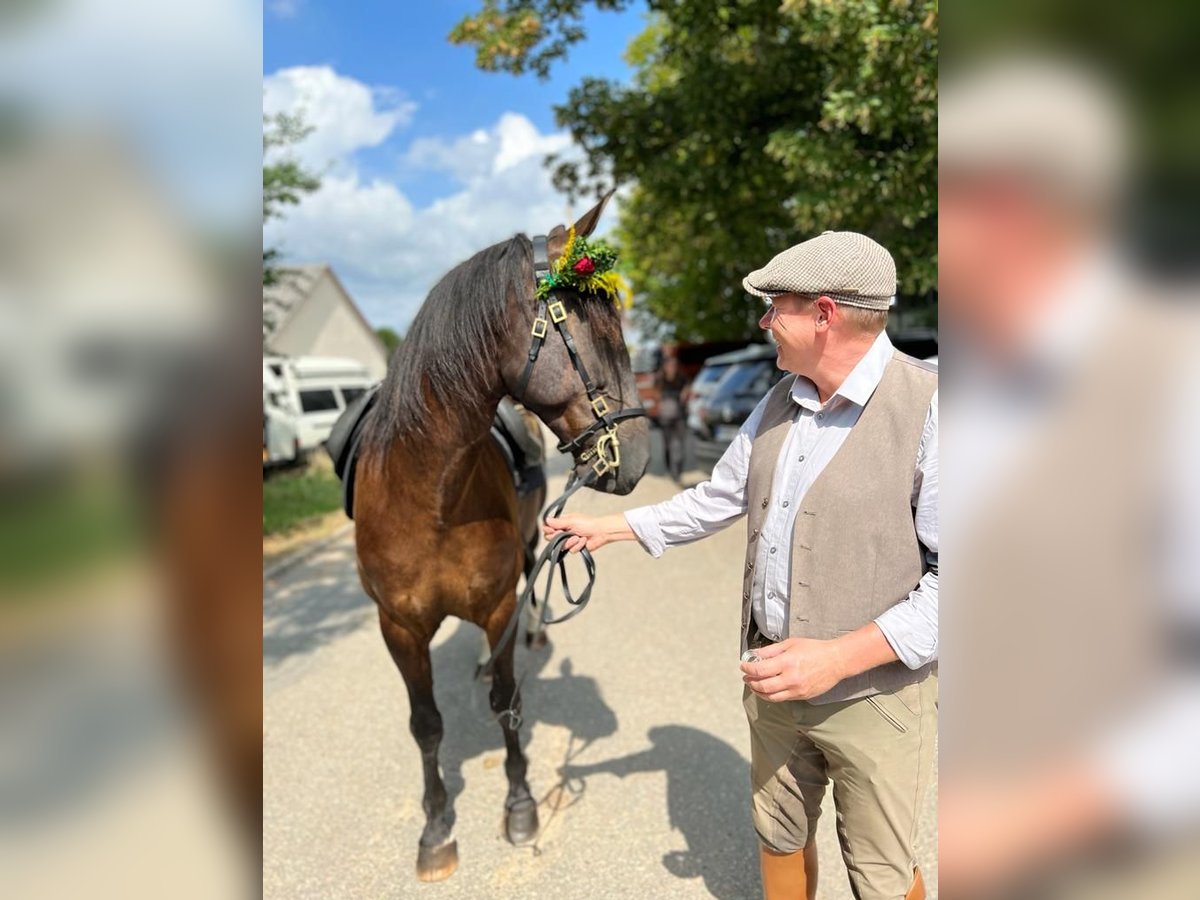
(824, 310)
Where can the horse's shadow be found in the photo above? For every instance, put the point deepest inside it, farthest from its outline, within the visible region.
(303, 614)
(707, 801)
(471, 729)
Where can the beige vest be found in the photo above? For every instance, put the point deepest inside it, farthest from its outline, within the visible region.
(855, 551)
(1057, 627)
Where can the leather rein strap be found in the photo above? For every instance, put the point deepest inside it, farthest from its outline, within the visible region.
(606, 451)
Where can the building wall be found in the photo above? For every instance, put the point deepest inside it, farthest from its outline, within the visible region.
(325, 325)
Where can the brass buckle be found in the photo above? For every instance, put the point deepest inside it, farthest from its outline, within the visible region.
(608, 452)
(600, 407)
(558, 312)
(539, 327)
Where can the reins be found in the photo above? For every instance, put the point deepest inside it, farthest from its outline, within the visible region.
(604, 456)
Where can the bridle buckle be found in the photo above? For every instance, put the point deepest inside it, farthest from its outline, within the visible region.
(608, 452)
(540, 326)
(558, 312)
(600, 407)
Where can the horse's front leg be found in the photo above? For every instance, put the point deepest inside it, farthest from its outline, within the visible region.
(520, 810)
(437, 852)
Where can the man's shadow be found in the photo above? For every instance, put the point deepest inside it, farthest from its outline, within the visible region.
(708, 800)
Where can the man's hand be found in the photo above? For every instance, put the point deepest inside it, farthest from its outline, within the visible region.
(592, 532)
(796, 669)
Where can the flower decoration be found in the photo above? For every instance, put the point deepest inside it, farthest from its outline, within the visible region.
(586, 266)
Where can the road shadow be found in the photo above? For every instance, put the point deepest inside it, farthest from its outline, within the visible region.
(569, 700)
(302, 614)
(708, 801)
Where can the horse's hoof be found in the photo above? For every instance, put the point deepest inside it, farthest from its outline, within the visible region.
(536, 640)
(437, 863)
(521, 822)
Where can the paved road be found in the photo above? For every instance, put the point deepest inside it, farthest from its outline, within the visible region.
(637, 741)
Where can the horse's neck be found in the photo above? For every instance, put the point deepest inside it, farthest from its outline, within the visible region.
(446, 452)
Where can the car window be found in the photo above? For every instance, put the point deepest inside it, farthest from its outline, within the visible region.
(742, 378)
(350, 394)
(317, 401)
(711, 374)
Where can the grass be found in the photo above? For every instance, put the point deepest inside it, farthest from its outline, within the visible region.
(56, 528)
(292, 499)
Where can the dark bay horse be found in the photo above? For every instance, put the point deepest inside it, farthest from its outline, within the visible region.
(440, 529)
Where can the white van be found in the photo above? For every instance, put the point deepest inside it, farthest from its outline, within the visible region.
(302, 398)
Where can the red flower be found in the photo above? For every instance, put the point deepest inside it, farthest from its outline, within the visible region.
(585, 266)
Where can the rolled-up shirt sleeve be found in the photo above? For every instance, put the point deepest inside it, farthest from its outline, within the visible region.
(911, 626)
(704, 509)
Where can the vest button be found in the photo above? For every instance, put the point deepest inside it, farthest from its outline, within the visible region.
(772, 549)
(785, 504)
(764, 503)
(801, 457)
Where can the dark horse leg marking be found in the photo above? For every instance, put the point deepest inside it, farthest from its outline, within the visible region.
(520, 809)
(437, 853)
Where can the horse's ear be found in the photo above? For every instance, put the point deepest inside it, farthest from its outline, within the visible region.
(587, 222)
(556, 240)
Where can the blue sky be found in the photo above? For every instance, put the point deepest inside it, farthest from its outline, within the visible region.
(426, 158)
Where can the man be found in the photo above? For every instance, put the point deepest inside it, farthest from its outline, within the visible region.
(1074, 707)
(836, 470)
(672, 387)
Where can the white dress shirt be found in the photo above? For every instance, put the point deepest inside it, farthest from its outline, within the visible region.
(816, 434)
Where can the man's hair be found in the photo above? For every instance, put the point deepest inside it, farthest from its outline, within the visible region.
(866, 321)
(869, 321)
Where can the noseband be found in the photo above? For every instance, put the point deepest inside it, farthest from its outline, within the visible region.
(607, 447)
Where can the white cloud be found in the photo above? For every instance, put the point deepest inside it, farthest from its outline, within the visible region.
(483, 154)
(175, 82)
(389, 252)
(345, 114)
(284, 9)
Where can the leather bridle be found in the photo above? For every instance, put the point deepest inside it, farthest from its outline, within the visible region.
(607, 447)
(607, 453)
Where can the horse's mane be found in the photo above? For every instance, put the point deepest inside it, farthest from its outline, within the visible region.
(453, 342)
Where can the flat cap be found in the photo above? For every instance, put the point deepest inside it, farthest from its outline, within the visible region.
(844, 265)
(1052, 120)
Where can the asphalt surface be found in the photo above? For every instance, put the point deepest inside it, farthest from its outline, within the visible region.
(635, 734)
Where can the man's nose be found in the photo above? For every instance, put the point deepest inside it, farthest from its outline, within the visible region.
(765, 322)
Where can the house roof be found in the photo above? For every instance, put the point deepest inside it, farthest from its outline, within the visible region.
(292, 288)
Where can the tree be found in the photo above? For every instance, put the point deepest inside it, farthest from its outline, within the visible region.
(748, 126)
(285, 180)
(391, 340)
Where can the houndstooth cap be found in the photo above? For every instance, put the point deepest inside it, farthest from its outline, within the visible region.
(844, 265)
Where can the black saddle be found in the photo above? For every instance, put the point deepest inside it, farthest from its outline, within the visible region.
(524, 453)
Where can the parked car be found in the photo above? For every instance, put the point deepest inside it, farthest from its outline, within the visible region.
(750, 374)
(302, 398)
(648, 360)
(705, 383)
(921, 343)
(747, 375)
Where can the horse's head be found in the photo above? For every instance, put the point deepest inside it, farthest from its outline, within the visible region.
(569, 364)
